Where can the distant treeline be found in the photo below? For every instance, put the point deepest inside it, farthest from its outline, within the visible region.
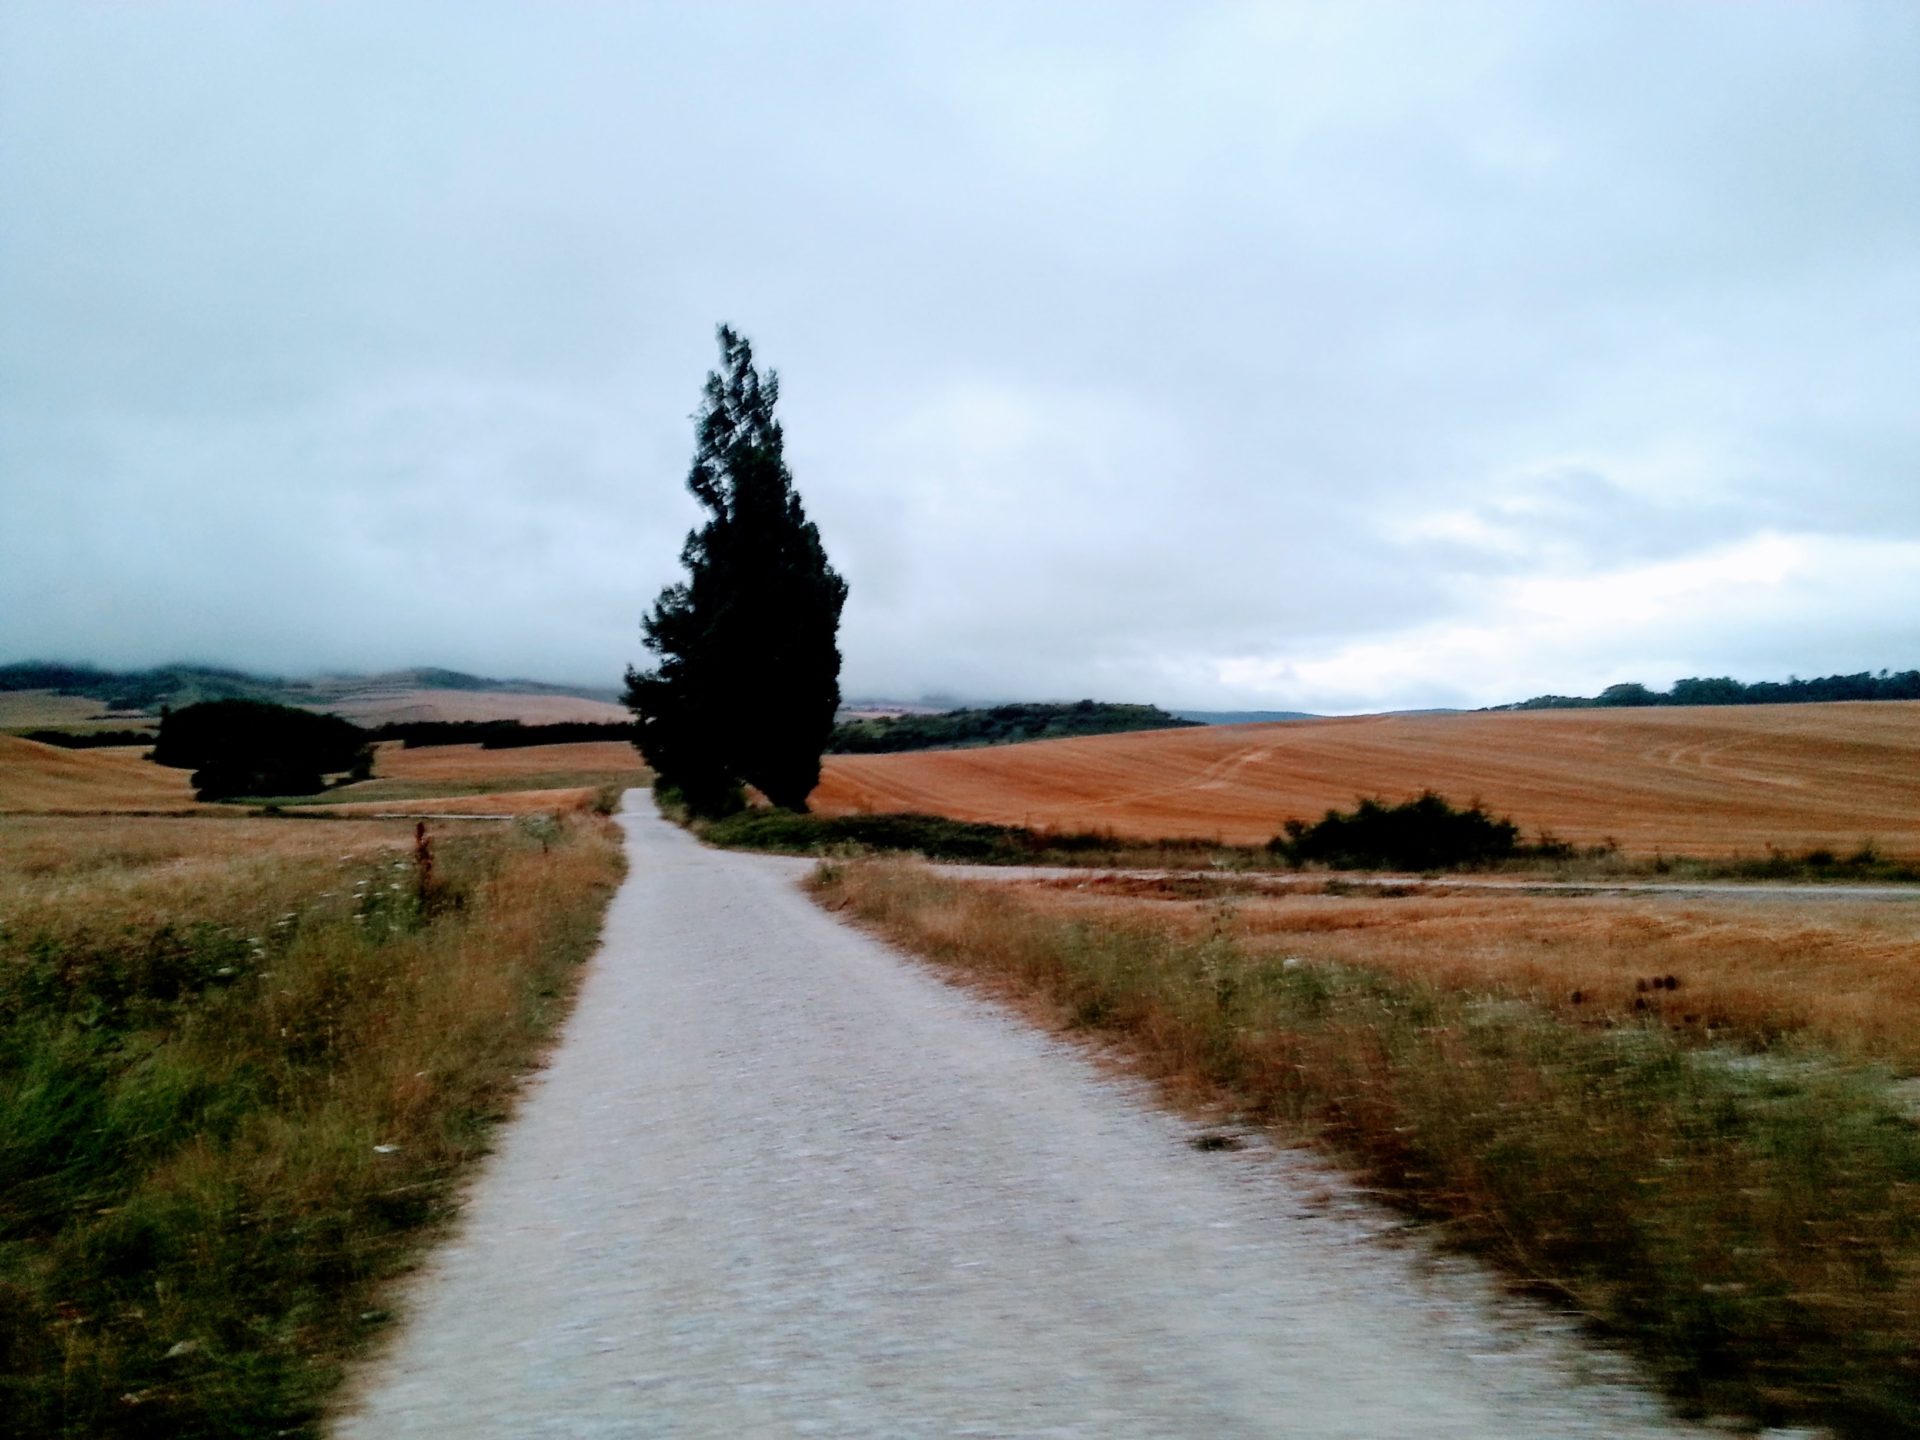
(1721, 690)
(1000, 725)
(89, 739)
(501, 734)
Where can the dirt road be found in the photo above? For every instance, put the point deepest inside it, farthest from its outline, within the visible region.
(779, 1181)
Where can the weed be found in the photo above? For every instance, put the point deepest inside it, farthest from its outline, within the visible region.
(242, 1064)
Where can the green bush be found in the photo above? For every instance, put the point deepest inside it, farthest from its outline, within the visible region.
(1425, 833)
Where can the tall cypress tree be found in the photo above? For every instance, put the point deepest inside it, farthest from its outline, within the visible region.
(748, 672)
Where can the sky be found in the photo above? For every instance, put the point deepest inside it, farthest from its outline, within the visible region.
(1230, 356)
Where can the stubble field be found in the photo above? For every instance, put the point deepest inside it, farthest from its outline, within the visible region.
(44, 779)
(1683, 781)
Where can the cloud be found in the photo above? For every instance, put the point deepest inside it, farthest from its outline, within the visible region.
(1226, 354)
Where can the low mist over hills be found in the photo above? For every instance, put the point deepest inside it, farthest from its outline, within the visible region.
(420, 693)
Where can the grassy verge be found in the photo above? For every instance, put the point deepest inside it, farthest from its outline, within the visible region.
(938, 838)
(1746, 1211)
(242, 1064)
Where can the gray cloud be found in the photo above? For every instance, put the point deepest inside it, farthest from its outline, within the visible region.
(1230, 355)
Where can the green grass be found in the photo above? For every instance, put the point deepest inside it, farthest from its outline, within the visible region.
(1749, 1219)
(222, 1129)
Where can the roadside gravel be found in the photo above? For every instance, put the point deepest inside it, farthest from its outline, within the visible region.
(780, 1181)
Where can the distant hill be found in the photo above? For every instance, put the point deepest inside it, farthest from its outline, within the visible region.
(1243, 717)
(996, 725)
(421, 694)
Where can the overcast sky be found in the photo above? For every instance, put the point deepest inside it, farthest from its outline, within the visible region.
(1331, 357)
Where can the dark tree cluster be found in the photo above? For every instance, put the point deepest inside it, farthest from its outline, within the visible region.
(1425, 833)
(89, 739)
(249, 747)
(998, 725)
(1724, 690)
(501, 734)
(747, 677)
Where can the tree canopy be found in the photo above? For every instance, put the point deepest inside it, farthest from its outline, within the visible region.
(747, 677)
(1723, 690)
(249, 747)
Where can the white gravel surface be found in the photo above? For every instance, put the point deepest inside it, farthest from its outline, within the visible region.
(780, 1181)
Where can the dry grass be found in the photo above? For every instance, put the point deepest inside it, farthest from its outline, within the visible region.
(45, 709)
(1843, 973)
(44, 779)
(1746, 1207)
(1696, 781)
(40, 779)
(559, 800)
(471, 763)
(466, 779)
(242, 1065)
(114, 872)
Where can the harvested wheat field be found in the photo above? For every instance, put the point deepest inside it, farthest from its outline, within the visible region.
(1688, 781)
(470, 762)
(46, 780)
(375, 706)
(467, 780)
(552, 800)
(35, 709)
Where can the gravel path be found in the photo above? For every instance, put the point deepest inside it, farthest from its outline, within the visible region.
(779, 1181)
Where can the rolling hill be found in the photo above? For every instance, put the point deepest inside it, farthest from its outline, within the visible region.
(79, 697)
(45, 780)
(1702, 781)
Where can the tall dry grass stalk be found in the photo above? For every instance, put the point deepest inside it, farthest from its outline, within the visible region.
(1748, 1215)
(242, 1064)
(1844, 974)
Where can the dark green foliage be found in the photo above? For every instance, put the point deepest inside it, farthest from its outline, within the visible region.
(1420, 834)
(88, 739)
(934, 836)
(747, 679)
(249, 747)
(1629, 694)
(1722, 690)
(1000, 725)
(502, 734)
(930, 835)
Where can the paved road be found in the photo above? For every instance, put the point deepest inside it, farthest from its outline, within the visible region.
(779, 1181)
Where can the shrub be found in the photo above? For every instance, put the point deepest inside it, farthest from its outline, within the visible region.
(1425, 833)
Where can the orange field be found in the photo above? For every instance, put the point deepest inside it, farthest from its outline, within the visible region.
(470, 762)
(46, 780)
(40, 779)
(37, 709)
(1686, 781)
